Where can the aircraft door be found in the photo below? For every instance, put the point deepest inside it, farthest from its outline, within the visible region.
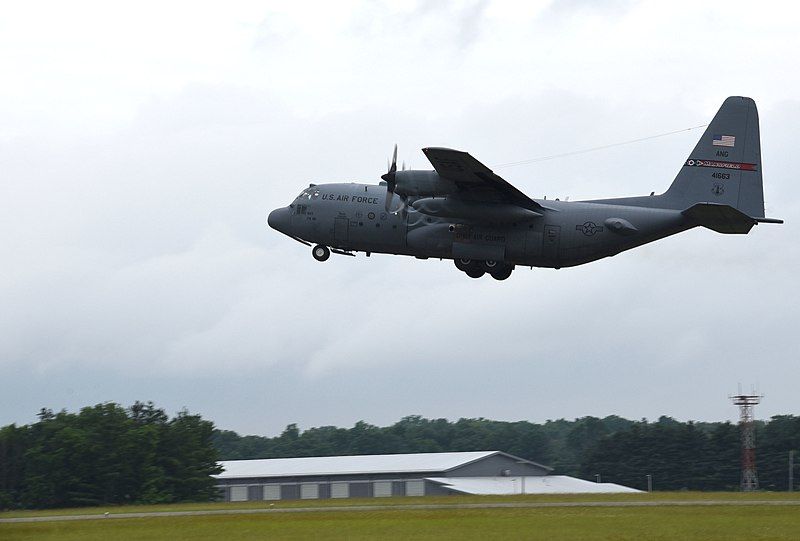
(550, 242)
(341, 231)
(533, 243)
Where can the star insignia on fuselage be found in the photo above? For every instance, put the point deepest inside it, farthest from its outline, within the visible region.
(589, 228)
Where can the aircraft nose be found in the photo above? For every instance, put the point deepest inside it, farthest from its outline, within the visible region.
(280, 220)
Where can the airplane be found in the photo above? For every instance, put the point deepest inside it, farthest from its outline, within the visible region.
(464, 211)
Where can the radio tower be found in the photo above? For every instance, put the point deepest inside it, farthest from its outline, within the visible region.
(746, 403)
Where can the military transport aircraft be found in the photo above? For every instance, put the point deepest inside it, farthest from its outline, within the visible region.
(465, 212)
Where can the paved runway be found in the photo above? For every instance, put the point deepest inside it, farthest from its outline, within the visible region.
(414, 507)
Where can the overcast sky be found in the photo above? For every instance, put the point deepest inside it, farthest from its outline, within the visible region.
(141, 148)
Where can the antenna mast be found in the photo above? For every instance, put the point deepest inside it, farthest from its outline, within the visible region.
(747, 403)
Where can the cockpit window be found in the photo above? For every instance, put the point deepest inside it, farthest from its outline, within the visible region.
(309, 193)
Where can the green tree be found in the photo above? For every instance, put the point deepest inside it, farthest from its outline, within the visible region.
(774, 441)
(106, 454)
(13, 443)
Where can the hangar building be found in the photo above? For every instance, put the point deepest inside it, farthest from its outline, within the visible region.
(417, 474)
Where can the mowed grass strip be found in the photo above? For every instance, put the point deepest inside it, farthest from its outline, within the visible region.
(751, 522)
(426, 500)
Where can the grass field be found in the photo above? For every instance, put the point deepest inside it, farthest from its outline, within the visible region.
(754, 521)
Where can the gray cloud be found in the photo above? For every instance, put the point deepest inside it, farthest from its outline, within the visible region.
(138, 264)
(612, 8)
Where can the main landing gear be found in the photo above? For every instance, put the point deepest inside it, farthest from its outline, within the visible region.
(320, 252)
(476, 269)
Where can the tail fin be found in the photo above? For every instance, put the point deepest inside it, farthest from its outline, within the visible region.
(725, 166)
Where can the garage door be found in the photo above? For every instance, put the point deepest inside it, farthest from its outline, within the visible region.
(382, 489)
(309, 491)
(340, 490)
(272, 492)
(238, 494)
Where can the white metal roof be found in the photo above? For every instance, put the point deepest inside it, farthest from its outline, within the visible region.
(344, 465)
(547, 484)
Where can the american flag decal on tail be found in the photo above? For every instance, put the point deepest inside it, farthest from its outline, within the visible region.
(724, 140)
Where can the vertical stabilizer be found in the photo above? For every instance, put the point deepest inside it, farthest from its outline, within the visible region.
(725, 166)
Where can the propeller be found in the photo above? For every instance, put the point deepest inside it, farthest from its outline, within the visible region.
(391, 183)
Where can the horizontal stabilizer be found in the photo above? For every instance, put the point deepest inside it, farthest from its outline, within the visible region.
(720, 218)
(768, 220)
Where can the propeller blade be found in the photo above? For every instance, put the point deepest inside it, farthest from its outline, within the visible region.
(390, 179)
(392, 169)
(389, 195)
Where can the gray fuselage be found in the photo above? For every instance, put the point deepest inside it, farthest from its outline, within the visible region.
(352, 218)
(464, 211)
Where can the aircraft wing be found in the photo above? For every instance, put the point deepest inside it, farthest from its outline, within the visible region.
(475, 181)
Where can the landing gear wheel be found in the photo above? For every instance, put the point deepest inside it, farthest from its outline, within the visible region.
(474, 269)
(464, 264)
(491, 266)
(502, 274)
(320, 252)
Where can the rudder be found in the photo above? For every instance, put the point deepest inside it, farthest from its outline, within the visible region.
(725, 166)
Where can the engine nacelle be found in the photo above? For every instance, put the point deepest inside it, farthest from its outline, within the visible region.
(474, 211)
(422, 183)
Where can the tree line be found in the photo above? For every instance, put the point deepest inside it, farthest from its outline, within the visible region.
(686, 456)
(677, 455)
(107, 454)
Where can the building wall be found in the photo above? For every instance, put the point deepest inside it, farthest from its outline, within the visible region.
(367, 485)
(274, 490)
(496, 466)
(330, 478)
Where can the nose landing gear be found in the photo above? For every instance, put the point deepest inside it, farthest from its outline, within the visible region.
(320, 252)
